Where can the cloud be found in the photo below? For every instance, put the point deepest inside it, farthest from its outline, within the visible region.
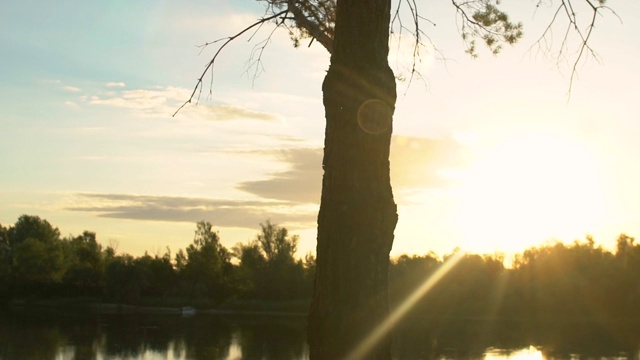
(220, 212)
(424, 163)
(289, 196)
(144, 101)
(228, 112)
(72, 104)
(300, 183)
(164, 101)
(72, 88)
(415, 163)
(115, 84)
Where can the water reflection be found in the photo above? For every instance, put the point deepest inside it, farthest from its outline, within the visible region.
(528, 353)
(46, 335)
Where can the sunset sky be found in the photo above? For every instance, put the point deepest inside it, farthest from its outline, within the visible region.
(488, 154)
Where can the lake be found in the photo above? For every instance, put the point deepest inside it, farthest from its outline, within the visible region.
(35, 334)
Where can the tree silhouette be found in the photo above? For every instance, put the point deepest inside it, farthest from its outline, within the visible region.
(207, 264)
(268, 268)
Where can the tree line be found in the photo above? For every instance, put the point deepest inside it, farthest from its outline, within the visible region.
(36, 262)
(553, 282)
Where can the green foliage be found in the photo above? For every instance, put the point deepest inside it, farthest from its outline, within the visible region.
(268, 269)
(31, 255)
(37, 264)
(275, 243)
(320, 13)
(205, 271)
(32, 227)
(558, 282)
(5, 262)
(483, 19)
(84, 263)
(122, 283)
(478, 20)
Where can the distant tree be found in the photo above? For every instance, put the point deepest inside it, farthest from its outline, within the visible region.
(5, 262)
(310, 270)
(130, 280)
(250, 269)
(268, 268)
(207, 265)
(549, 277)
(160, 278)
(30, 226)
(627, 286)
(407, 273)
(37, 267)
(35, 256)
(180, 260)
(124, 281)
(84, 262)
(4, 240)
(283, 275)
(276, 244)
(626, 251)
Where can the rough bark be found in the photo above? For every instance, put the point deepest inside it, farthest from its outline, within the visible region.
(357, 212)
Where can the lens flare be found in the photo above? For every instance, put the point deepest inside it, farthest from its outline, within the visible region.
(397, 314)
(374, 116)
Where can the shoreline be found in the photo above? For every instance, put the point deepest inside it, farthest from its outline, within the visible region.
(98, 307)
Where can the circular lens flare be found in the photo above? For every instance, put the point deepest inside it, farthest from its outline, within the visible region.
(374, 116)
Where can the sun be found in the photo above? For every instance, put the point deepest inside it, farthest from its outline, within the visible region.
(527, 189)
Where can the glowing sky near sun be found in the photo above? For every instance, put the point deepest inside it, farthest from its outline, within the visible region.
(488, 154)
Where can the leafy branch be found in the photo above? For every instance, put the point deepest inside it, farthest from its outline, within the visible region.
(482, 19)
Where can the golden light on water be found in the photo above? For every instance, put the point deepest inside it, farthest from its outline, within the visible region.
(397, 314)
(530, 353)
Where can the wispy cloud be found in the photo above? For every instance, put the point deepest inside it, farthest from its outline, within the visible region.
(71, 88)
(228, 112)
(113, 84)
(144, 101)
(164, 101)
(72, 104)
(223, 213)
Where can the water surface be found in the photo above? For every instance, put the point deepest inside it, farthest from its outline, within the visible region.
(30, 334)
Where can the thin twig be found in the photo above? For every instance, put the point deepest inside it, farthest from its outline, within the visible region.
(215, 56)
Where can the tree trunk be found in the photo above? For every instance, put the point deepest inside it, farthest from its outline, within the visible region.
(357, 212)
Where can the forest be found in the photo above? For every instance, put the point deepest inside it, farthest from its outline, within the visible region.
(554, 282)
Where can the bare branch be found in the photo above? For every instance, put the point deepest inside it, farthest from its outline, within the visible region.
(255, 59)
(421, 41)
(574, 26)
(479, 19)
(227, 40)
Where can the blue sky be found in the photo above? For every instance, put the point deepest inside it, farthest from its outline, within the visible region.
(488, 154)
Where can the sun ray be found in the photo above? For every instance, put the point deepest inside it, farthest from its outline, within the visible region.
(401, 310)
